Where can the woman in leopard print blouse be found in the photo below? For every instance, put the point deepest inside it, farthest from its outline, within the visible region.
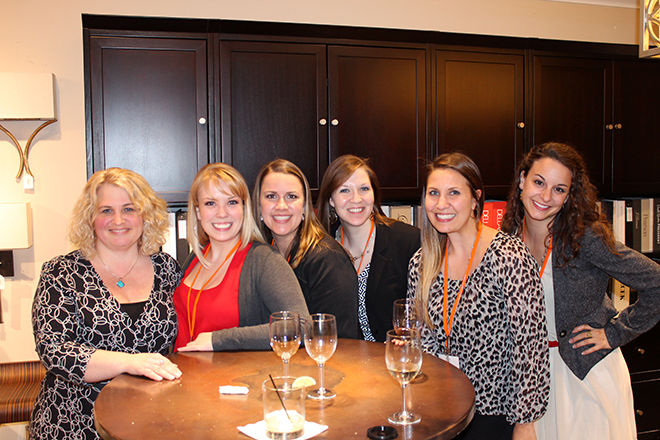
(483, 303)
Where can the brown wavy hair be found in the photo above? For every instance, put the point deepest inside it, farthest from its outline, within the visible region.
(339, 171)
(150, 206)
(310, 232)
(578, 213)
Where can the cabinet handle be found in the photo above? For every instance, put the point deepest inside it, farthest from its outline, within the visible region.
(641, 351)
(323, 122)
(609, 127)
(639, 412)
(618, 127)
(202, 121)
(520, 125)
(335, 122)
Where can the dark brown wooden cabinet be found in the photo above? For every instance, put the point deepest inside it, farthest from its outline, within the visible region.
(636, 145)
(479, 110)
(311, 103)
(273, 96)
(148, 109)
(377, 109)
(572, 103)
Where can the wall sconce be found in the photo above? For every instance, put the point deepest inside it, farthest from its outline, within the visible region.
(649, 38)
(15, 233)
(27, 97)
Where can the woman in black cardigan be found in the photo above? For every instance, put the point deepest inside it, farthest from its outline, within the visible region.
(380, 248)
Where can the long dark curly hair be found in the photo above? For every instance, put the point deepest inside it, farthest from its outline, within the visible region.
(578, 213)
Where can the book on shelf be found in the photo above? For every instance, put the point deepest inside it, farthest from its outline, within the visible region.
(656, 225)
(182, 247)
(615, 211)
(493, 213)
(647, 225)
(169, 247)
(620, 294)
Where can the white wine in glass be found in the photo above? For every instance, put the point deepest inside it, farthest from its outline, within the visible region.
(403, 357)
(406, 316)
(284, 329)
(320, 343)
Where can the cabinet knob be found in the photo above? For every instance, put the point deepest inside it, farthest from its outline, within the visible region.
(639, 412)
(609, 127)
(335, 122)
(323, 122)
(618, 126)
(641, 351)
(202, 121)
(520, 125)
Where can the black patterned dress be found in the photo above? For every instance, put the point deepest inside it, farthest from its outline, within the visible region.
(73, 315)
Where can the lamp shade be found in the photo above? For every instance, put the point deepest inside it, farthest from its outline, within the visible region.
(27, 96)
(15, 225)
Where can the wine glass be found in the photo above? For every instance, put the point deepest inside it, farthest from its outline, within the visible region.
(284, 330)
(403, 357)
(406, 316)
(320, 343)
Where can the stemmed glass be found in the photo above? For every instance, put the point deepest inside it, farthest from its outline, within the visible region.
(406, 316)
(403, 357)
(284, 329)
(320, 343)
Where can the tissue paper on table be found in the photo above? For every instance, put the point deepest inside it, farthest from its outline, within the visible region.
(258, 430)
(231, 389)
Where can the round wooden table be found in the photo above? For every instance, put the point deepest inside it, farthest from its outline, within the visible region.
(191, 407)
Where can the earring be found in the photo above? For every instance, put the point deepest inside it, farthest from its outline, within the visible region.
(261, 217)
(333, 215)
(303, 216)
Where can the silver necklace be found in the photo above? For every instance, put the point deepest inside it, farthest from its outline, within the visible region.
(119, 283)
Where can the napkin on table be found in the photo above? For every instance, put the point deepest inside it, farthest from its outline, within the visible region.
(258, 430)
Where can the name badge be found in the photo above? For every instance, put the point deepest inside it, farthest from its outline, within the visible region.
(451, 359)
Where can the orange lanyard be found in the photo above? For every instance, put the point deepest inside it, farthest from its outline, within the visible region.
(448, 323)
(193, 317)
(547, 251)
(371, 230)
(272, 243)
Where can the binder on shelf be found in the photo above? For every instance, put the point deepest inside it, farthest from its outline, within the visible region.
(402, 213)
(634, 223)
(169, 247)
(182, 247)
(656, 225)
(647, 225)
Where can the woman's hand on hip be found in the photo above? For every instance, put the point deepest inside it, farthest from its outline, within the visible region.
(587, 335)
(202, 342)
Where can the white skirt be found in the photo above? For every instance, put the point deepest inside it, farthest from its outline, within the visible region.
(600, 407)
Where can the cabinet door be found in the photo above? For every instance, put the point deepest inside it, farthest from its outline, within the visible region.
(377, 109)
(273, 99)
(146, 97)
(636, 159)
(573, 104)
(479, 111)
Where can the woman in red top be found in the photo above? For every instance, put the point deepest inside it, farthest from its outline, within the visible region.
(234, 282)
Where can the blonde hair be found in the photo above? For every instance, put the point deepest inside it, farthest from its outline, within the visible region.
(310, 232)
(433, 242)
(150, 206)
(210, 176)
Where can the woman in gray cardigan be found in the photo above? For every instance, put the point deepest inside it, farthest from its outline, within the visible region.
(552, 207)
(234, 282)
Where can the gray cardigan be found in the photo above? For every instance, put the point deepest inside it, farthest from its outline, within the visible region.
(267, 285)
(580, 298)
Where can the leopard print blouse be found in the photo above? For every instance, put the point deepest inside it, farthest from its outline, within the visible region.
(499, 332)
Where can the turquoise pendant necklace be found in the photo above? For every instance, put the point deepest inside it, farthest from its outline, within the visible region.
(120, 283)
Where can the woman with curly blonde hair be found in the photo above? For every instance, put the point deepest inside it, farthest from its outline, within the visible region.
(105, 308)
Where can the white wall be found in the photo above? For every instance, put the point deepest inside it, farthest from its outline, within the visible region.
(46, 36)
